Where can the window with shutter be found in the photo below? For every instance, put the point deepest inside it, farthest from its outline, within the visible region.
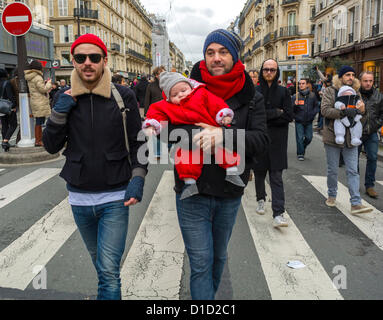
(368, 19)
(70, 33)
(357, 23)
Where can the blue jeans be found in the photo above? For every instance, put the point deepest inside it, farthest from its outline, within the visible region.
(206, 224)
(350, 156)
(104, 229)
(371, 146)
(303, 135)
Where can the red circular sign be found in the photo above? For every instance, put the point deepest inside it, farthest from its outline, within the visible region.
(17, 18)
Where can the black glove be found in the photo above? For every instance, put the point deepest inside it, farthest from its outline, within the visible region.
(349, 112)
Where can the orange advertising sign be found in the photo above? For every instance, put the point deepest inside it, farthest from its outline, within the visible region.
(298, 47)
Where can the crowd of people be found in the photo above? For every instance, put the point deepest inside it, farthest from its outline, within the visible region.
(219, 99)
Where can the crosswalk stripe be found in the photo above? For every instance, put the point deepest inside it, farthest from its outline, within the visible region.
(35, 247)
(21, 186)
(153, 266)
(380, 182)
(371, 224)
(2, 170)
(277, 246)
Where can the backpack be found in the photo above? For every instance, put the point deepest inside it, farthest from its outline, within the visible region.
(123, 110)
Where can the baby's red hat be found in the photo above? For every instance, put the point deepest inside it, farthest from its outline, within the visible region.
(89, 38)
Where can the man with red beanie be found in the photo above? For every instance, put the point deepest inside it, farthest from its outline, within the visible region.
(207, 218)
(103, 177)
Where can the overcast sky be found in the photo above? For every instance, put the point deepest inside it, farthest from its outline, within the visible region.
(189, 21)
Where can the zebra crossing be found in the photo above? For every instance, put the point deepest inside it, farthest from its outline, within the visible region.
(154, 265)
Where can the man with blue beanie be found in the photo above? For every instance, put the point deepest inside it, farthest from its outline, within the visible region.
(207, 218)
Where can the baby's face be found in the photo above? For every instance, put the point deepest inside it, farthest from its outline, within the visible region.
(179, 91)
(347, 93)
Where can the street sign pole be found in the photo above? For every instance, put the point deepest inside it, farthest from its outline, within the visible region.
(27, 125)
(17, 21)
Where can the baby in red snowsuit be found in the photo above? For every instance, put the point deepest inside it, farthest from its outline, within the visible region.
(189, 102)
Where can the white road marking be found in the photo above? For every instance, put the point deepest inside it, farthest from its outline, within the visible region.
(277, 246)
(153, 266)
(371, 224)
(36, 247)
(16, 189)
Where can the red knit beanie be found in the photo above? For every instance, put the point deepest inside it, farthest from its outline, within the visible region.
(89, 38)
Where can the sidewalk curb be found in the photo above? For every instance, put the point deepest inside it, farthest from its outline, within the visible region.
(25, 156)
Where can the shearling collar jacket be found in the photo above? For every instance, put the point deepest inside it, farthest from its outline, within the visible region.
(97, 159)
(330, 113)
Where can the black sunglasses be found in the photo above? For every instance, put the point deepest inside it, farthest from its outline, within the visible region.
(93, 57)
(269, 70)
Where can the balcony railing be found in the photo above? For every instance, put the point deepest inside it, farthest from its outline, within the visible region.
(257, 45)
(288, 31)
(375, 30)
(351, 37)
(258, 23)
(288, 2)
(138, 55)
(115, 47)
(269, 37)
(269, 10)
(85, 13)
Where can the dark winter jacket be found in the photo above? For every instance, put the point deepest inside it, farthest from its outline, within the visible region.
(8, 92)
(212, 180)
(276, 98)
(153, 94)
(307, 107)
(140, 91)
(374, 109)
(96, 156)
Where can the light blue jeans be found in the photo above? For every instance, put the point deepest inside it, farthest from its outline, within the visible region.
(104, 229)
(350, 156)
(206, 224)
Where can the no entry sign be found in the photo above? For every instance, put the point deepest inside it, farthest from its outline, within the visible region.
(17, 18)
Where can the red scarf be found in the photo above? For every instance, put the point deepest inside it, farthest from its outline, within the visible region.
(226, 85)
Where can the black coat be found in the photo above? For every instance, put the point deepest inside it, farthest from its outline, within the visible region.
(374, 109)
(140, 91)
(8, 92)
(212, 180)
(305, 113)
(276, 98)
(96, 155)
(153, 94)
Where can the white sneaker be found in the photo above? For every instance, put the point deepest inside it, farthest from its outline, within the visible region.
(280, 221)
(261, 207)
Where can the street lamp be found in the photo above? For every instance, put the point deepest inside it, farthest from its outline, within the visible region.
(78, 18)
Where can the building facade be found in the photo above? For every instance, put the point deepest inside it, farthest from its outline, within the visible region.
(177, 58)
(353, 31)
(123, 25)
(39, 39)
(267, 26)
(160, 40)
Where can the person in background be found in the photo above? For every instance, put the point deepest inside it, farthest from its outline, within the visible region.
(346, 76)
(154, 94)
(8, 121)
(279, 113)
(305, 110)
(39, 98)
(373, 100)
(52, 93)
(119, 79)
(254, 75)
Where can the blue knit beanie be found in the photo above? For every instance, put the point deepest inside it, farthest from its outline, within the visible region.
(228, 39)
(343, 70)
